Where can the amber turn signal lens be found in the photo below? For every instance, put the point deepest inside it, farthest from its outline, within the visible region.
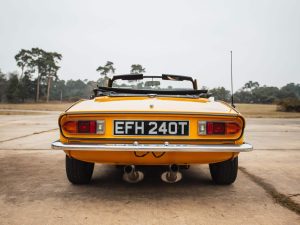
(232, 128)
(70, 126)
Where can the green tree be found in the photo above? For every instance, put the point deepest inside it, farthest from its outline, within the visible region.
(90, 86)
(24, 59)
(137, 69)
(107, 69)
(265, 94)
(220, 93)
(32, 59)
(290, 90)
(245, 94)
(253, 93)
(242, 96)
(12, 92)
(3, 86)
(46, 64)
(51, 68)
(43, 62)
(58, 89)
(26, 87)
(251, 85)
(75, 90)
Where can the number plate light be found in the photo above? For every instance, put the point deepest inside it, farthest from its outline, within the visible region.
(202, 127)
(100, 126)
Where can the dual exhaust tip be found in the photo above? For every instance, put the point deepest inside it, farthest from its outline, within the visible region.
(131, 175)
(172, 175)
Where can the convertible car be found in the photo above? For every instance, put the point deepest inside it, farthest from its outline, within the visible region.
(140, 120)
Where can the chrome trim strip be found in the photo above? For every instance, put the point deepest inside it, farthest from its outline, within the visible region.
(57, 145)
(159, 113)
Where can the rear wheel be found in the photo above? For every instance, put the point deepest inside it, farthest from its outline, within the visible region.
(79, 172)
(224, 173)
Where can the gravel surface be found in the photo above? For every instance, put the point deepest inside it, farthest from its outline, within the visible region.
(34, 188)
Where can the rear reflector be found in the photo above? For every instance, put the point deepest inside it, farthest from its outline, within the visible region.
(215, 128)
(87, 127)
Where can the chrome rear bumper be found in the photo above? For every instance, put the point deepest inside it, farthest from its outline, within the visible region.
(57, 145)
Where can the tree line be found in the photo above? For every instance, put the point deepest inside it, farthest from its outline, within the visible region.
(38, 81)
(36, 61)
(252, 92)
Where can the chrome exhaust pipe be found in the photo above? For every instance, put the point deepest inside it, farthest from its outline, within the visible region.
(172, 175)
(131, 175)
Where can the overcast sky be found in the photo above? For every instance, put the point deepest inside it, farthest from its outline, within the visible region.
(178, 37)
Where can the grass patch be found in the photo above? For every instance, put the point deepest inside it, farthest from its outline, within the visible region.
(264, 111)
(4, 112)
(248, 110)
(53, 106)
(289, 105)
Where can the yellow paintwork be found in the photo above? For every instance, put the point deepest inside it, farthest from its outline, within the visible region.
(129, 158)
(161, 104)
(138, 108)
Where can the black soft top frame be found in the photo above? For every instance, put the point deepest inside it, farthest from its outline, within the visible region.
(114, 91)
(163, 77)
(145, 91)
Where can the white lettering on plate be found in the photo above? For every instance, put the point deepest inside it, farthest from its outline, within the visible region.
(141, 127)
(119, 127)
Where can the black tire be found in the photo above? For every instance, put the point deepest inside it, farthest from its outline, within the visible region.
(224, 173)
(79, 172)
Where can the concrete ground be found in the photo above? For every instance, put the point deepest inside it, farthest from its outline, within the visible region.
(34, 188)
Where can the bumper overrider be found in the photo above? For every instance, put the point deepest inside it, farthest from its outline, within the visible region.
(166, 147)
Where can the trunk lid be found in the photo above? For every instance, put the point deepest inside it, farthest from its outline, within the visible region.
(152, 105)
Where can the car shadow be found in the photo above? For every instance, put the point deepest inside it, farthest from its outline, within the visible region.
(37, 179)
(107, 184)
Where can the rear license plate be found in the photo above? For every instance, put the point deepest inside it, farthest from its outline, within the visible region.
(151, 127)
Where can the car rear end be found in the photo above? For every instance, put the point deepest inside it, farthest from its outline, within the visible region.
(145, 131)
(151, 139)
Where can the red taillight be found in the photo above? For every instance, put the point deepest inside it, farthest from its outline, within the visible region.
(217, 128)
(209, 127)
(86, 127)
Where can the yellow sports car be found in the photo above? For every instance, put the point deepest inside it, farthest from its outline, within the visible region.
(138, 120)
